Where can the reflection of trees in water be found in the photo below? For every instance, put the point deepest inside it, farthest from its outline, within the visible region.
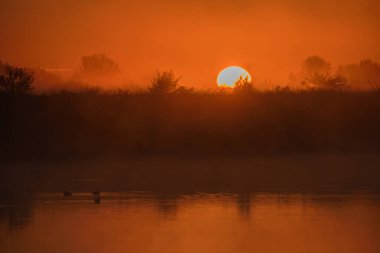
(244, 205)
(16, 215)
(167, 205)
(284, 199)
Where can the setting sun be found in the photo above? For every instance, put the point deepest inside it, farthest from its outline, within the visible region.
(229, 76)
(165, 126)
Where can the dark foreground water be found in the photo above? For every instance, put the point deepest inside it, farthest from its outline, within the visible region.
(191, 222)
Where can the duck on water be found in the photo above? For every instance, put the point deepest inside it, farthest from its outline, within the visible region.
(96, 196)
(67, 194)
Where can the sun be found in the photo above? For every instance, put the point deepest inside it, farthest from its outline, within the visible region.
(228, 76)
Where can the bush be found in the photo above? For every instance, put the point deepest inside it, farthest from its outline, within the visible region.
(14, 80)
(243, 85)
(316, 74)
(164, 82)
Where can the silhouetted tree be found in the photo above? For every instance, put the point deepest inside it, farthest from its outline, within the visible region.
(164, 82)
(15, 80)
(364, 75)
(96, 68)
(316, 74)
(315, 65)
(99, 64)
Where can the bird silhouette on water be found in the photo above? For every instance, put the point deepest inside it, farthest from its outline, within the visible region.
(96, 196)
(67, 194)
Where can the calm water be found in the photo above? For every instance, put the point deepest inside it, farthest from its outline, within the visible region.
(196, 222)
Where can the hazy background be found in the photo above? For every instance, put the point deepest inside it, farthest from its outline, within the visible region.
(194, 38)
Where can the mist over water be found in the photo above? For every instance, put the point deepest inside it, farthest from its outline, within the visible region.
(192, 222)
(114, 136)
(314, 203)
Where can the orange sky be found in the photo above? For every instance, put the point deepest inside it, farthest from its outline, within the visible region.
(195, 38)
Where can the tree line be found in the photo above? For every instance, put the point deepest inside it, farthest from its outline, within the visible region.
(316, 74)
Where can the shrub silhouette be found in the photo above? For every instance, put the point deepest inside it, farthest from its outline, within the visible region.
(184, 90)
(14, 80)
(164, 82)
(243, 85)
(326, 81)
(46, 81)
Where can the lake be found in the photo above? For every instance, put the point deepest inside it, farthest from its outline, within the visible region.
(149, 221)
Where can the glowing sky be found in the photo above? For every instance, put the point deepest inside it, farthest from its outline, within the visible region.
(195, 38)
